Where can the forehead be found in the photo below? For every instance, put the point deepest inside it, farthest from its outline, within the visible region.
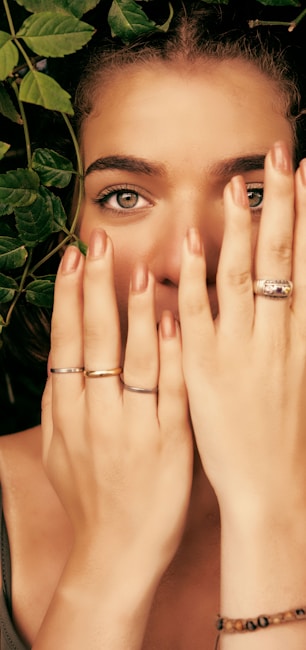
(211, 110)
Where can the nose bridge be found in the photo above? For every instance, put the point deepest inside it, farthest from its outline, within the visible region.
(187, 212)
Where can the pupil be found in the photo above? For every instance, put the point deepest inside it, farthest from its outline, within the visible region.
(127, 199)
(255, 198)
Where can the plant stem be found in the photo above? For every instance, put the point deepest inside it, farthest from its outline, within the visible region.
(79, 170)
(25, 126)
(291, 25)
(53, 252)
(297, 20)
(20, 290)
(9, 18)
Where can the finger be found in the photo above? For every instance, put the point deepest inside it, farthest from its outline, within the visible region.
(273, 259)
(101, 319)
(66, 326)
(173, 402)
(299, 248)
(234, 277)
(197, 326)
(141, 364)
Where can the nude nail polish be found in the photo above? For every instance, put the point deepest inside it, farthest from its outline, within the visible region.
(70, 260)
(194, 241)
(239, 192)
(168, 325)
(281, 158)
(139, 278)
(97, 244)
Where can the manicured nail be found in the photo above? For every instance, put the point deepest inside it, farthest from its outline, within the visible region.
(194, 241)
(303, 170)
(168, 325)
(70, 260)
(97, 244)
(281, 158)
(239, 192)
(139, 278)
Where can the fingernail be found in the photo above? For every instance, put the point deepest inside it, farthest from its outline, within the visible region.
(281, 158)
(303, 170)
(139, 278)
(168, 325)
(194, 241)
(70, 260)
(97, 244)
(239, 192)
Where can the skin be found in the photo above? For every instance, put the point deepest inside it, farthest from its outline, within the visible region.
(169, 556)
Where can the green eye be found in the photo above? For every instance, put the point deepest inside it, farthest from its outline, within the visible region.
(255, 196)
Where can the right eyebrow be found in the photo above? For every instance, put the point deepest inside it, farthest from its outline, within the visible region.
(126, 163)
(239, 165)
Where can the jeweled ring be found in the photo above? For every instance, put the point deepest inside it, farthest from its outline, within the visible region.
(66, 371)
(93, 374)
(273, 288)
(138, 389)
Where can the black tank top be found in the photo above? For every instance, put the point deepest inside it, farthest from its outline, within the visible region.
(10, 639)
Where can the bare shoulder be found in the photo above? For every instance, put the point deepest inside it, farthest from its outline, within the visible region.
(20, 453)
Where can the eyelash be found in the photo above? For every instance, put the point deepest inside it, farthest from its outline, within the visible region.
(110, 192)
(256, 188)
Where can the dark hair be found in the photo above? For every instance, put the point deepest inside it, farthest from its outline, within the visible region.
(196, 33)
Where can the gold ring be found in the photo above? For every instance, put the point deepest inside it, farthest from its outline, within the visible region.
(92, 374)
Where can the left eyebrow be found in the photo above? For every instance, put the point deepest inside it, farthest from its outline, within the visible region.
(126, 163)
(240, 165)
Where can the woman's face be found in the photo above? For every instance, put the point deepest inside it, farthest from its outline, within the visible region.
(159, 147)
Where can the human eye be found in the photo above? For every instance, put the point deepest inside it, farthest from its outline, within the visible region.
(122, 198)
(255, 192)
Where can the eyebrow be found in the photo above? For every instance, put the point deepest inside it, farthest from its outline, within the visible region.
(225, 168)
(128, 164)
(240, 165)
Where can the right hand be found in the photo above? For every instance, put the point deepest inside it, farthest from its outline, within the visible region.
(120, 461)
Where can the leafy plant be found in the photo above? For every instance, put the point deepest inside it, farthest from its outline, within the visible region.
(31, 209)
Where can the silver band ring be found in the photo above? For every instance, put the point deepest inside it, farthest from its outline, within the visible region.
(273, 288)
(137, 389)
(66, 371)
(93, 374)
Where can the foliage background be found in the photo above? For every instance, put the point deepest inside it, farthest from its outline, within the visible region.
(26, 221)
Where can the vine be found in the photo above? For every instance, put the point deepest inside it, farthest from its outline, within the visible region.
(31, 210)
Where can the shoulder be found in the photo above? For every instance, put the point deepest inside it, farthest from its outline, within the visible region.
(20, 451)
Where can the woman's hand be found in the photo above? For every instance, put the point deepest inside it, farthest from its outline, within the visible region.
(120, 461)
(246, 380)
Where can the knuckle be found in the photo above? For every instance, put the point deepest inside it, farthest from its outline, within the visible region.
(240, 280)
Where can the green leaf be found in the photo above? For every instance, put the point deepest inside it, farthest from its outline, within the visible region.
(34, 222)
(7, 107)
(5, 210)
(53, 169)
(60, 219)
(127, 20)
(8, 55)
(52, 34)
(280, 3)
(74, 7)
(4, 147)
(166, 25)
(38, 88)
(8, 287)
(41, 292)
(12, 253)
(19, 187)
(81, 246)
(213, 2)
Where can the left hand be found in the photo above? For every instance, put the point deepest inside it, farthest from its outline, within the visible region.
(245, 372)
